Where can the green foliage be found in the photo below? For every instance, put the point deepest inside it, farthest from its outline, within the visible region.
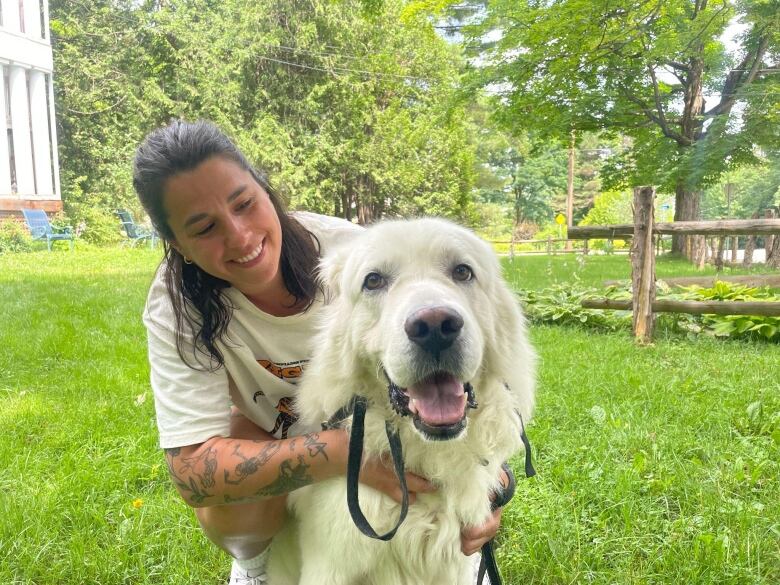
(736, 325)
(561, 305)
(744, 192)
(90, 214)
(610, 207)
(14, 236)
(627, 68)
(348, 109)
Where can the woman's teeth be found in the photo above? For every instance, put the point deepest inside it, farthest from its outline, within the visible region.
(251, 256)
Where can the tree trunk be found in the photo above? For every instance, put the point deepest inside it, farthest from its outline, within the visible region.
(773, 254)
(347, 197)
(570, 190)
(750, 246)
(772, 245)
(719, 255)
(769, 240)
(686, 200)
(686, 208)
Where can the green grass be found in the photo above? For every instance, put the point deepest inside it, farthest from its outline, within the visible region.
(657, 465)
(538, 272)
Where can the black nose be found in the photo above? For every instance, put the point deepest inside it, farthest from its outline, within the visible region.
(434, 328)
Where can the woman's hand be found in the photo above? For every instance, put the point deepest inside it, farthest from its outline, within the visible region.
(473, 537)
(380, 475)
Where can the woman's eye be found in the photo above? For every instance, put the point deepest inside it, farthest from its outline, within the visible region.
(462, 273)
(244, 205)
(374, 281)
(205, 230)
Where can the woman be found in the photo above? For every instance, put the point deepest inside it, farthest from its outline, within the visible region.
(229, 320)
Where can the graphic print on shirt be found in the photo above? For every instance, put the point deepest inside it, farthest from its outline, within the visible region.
(289, 372)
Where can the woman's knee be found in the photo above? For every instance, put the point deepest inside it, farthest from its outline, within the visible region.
(237, 526)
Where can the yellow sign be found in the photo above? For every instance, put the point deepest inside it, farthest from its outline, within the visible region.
(560, 219)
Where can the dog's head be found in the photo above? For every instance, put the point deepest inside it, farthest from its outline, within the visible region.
(418, 314)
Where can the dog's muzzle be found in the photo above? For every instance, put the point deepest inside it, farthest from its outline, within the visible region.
(436, 407)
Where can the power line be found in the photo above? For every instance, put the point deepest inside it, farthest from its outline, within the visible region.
(309, 52)
(347, 70)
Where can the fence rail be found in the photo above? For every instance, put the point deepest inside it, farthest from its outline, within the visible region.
(729, 227)
(760, 308)
(642, 232)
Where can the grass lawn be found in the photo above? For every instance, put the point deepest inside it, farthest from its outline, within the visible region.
(656, 465)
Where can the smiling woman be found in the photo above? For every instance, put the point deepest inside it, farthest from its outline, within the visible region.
(224, 222)
(230, 319)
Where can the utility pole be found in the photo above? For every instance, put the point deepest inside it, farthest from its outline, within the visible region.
(570, 190)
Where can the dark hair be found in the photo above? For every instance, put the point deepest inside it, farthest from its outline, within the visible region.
(196, 296)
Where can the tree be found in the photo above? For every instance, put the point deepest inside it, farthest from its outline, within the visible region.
(645, 69)
(346, 108)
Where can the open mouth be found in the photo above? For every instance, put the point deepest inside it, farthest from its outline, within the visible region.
(252, 255)
(437, 404)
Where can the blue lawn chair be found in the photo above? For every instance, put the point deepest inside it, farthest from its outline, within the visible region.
(135, 232)
(40, 228)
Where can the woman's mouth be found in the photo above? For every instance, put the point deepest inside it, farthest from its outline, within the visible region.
(252, 255)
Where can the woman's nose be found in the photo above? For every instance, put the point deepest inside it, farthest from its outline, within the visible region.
(237, 235)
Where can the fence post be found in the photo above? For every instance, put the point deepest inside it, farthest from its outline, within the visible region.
(643, 264)
(512, 249)
(549, 245)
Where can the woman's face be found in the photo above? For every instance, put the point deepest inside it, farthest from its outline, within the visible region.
(224, 221)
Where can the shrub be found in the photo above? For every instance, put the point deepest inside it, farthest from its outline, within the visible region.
(87, 212)
(14, 236)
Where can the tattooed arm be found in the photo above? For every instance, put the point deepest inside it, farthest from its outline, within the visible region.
(223, 470)
(226, 471)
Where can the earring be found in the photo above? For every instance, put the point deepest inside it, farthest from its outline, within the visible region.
(186, 260)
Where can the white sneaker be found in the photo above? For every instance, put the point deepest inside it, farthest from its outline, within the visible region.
(239, 576)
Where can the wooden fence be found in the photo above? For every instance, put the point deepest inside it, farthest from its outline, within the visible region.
(643, 231)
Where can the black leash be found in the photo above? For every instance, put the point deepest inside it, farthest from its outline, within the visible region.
(488, 563)
(357, 407)
(354, 460)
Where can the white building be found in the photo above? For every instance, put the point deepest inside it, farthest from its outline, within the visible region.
(29, 166)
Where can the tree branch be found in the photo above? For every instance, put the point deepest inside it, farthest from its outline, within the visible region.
(739, 78)
(658, 106)
(648, 112)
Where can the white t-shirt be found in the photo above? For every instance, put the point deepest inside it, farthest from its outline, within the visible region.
(264, 359)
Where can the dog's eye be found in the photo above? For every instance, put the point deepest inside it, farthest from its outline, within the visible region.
(462, 273)
(374, 281)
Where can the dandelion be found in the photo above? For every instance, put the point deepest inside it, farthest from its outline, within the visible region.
(137, 503)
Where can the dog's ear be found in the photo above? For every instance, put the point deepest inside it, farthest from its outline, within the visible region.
(331, 269)
(327, 384)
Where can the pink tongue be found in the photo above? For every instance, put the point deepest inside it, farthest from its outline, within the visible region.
(440, 399)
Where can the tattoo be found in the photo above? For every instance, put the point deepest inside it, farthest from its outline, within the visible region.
(185, 477)
(315, 446)
(250, 465)
(290, 478)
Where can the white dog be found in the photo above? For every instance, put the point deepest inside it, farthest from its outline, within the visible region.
(420, 317)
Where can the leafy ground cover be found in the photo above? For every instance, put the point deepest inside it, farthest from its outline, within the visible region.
(656, 465)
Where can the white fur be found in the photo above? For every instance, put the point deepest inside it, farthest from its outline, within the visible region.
(362, 333)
